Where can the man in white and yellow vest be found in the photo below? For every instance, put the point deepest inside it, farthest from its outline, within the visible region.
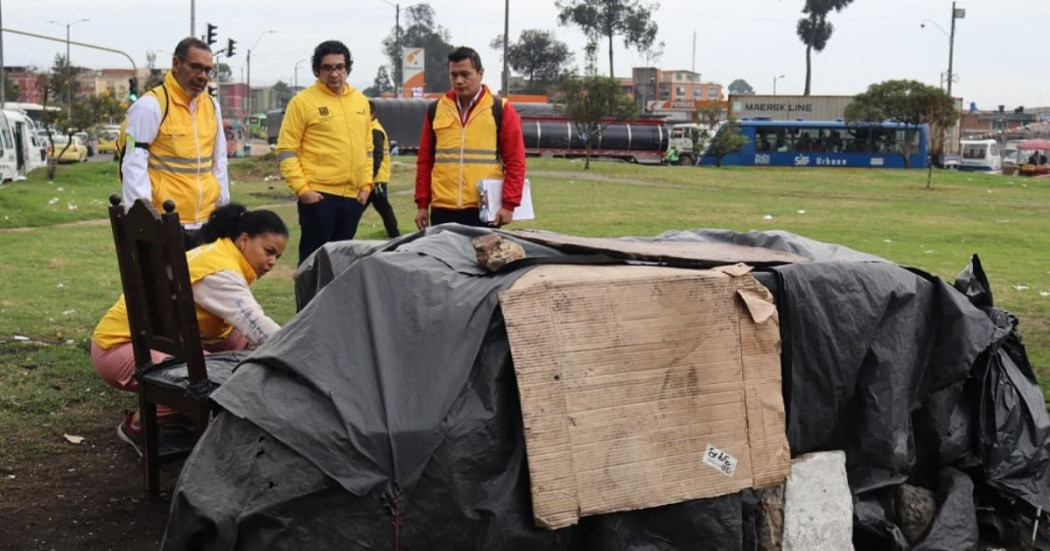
(325, 151)
(463, 145)
(178, 150)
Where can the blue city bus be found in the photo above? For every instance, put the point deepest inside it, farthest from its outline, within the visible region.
(828, 144)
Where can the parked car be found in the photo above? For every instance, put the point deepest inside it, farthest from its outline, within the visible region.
(90, 145)
(107, 139)
(75, 153)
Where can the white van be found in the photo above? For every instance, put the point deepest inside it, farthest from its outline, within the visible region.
(30, 153)
(8, 155)
(981, 155)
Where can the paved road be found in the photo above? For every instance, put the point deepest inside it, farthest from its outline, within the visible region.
(257, 148)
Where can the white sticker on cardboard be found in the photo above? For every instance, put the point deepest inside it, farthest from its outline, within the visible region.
(720, 460)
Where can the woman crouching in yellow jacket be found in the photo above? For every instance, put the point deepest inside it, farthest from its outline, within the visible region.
(238, 247)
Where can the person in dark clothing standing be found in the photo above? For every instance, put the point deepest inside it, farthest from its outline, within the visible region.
(381, 175)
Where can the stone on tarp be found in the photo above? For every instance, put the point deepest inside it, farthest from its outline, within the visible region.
(916, 507)
(769, 522)
(818, 506)
(494, 252)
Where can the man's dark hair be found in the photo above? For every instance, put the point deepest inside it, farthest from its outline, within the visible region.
(463, 52)
(329, 47)
(183, 48)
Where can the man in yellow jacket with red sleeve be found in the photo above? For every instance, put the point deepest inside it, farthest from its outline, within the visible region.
(463, 145)
(325, 151)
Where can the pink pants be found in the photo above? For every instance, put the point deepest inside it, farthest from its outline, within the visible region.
(116, 366)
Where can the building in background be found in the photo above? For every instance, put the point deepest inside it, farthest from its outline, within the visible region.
(233, 97)
(28, 84)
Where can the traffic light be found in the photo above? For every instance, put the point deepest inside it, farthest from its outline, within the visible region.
(229, 47)
(210, 37)
(133, 89)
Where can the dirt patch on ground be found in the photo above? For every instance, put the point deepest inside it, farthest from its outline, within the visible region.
(89, 496)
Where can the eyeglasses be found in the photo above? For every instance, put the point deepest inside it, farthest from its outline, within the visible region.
(334, 68)
(199, 68)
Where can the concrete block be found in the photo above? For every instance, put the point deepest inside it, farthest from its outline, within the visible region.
(818, 506)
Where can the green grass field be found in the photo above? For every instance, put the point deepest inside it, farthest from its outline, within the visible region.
(58, 273)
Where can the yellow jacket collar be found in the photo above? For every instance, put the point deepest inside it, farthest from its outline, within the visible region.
(347, 89)
(175, 90)
(246, 268)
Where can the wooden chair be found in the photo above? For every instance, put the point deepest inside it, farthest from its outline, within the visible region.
(162, 316)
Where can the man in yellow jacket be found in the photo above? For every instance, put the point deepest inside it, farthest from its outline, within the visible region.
(175, 145)
(325, 151)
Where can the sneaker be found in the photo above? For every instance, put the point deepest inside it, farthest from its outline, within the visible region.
(172, 438)
(130, 434)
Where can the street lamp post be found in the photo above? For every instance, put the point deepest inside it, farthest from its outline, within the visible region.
(399, 78)
(264, 33)
(69, 89)
(649, 95)
(506, 40)
(775, 79)
(296, 84)
(957, 13)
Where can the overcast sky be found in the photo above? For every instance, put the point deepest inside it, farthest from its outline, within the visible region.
(1000, 49)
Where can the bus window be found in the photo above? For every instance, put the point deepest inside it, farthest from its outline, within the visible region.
(762, 142)
(780, 143)
(808, 139)
(5, 131)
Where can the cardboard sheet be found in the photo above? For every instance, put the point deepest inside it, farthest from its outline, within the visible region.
(644, 386)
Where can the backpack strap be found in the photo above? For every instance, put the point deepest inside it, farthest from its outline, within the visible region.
(432, 110)
(157, 91)
(497, 114)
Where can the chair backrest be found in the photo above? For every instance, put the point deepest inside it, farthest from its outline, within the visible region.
(156, 280)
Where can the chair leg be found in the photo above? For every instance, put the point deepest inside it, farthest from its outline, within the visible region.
(150, 455)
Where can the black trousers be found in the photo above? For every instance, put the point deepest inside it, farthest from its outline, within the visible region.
(379, 199)
(467, 217)
(333, 218)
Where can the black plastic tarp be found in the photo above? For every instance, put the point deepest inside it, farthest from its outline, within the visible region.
(385, 414)
(1013, 428)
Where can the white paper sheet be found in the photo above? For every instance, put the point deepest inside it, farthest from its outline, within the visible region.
(491, 193)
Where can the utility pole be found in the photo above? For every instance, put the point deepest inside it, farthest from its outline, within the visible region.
(506, 40)
(264, 33)
(398, 76)
(400, 54)
(693, 68)
(193, 18)
(69, 65)
(956, 14)
(3, 73)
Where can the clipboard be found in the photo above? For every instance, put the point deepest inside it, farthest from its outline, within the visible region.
(490, 194)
